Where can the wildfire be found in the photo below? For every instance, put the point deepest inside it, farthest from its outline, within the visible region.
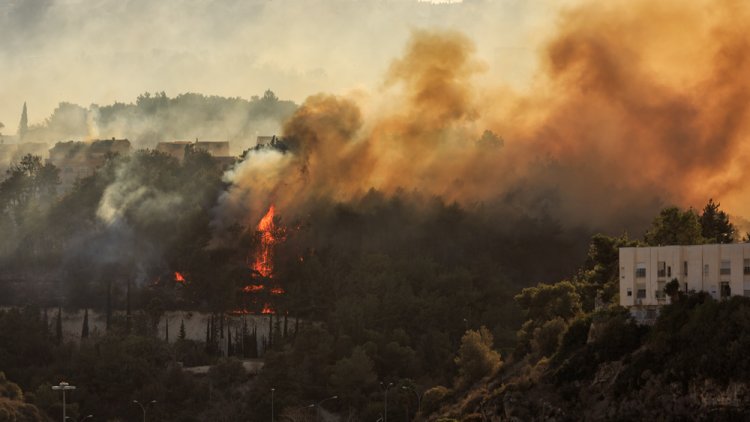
(267, 309)
(178, 277)
(263, 262)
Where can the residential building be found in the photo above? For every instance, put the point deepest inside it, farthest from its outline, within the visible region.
(219, 150)
(722, 270)
(77, 160)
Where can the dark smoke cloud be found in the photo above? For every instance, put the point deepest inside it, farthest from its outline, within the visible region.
(625, 116)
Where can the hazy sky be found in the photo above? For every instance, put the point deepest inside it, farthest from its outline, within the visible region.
(100, 51)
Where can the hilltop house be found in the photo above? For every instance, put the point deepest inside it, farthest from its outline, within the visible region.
(81, 159)
(219, 150)
(721, 270)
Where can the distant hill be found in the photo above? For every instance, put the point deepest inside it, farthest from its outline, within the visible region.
(157, 117)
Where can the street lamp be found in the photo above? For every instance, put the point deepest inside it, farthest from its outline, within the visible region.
(272, 390)
(317, 406)
(63, 386)
(419, 398)
(143, 408)
(385, 389)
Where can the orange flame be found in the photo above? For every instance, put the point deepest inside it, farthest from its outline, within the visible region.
(252, 288)
(263, 263)
(277, 291)
(178, 277)
(267, 309)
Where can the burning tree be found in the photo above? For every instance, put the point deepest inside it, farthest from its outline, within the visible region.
(262, 286)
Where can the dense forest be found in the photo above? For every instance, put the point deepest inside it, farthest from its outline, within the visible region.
(401, 295)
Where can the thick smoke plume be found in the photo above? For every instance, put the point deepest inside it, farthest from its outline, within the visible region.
(635, 106)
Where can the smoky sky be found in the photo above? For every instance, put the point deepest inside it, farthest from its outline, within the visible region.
(634, 107)
(101, 51)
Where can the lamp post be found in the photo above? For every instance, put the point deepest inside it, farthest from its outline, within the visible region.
(317, 406)
(272, 390)
(419, 398)
(385, 389)
(63, 386)
(143, 408)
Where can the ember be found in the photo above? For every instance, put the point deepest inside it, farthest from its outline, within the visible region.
(178, 277)
(251, 288)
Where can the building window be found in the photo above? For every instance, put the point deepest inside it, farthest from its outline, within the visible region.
(747, 266)
(725, 290)
(669, 271)
(640, 270)
(641, 294)
(705, 270)
(684, 267)
(661, 268)
(725, 268)
(630, 292)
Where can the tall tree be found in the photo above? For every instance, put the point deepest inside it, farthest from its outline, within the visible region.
(675, 227)
(58, 326)
(23, 125)
(182, 330)
(715, 224)
(85, 329)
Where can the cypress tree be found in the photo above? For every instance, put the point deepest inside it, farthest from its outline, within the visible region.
(127, 310)
(46, 323)
(182, 329)
(254, 343)
(58, 326)
(269, 343)
(85, 329)
(23, 125)
(208, 335)
(109, 303)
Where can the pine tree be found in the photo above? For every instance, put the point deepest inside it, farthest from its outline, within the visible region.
(182, 329)
(715, 224)
(85, 329)
(23, 126)
(58, 326)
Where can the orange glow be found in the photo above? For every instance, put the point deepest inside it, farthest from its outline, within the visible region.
(277, 291)
(267, 309)
(263, 262)
(178, 277)
(252, 288)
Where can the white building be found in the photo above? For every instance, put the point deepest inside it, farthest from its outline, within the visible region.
(721, 270)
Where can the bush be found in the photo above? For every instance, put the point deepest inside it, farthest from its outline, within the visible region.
(547, 337)
(476, 358)
(433, 398)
